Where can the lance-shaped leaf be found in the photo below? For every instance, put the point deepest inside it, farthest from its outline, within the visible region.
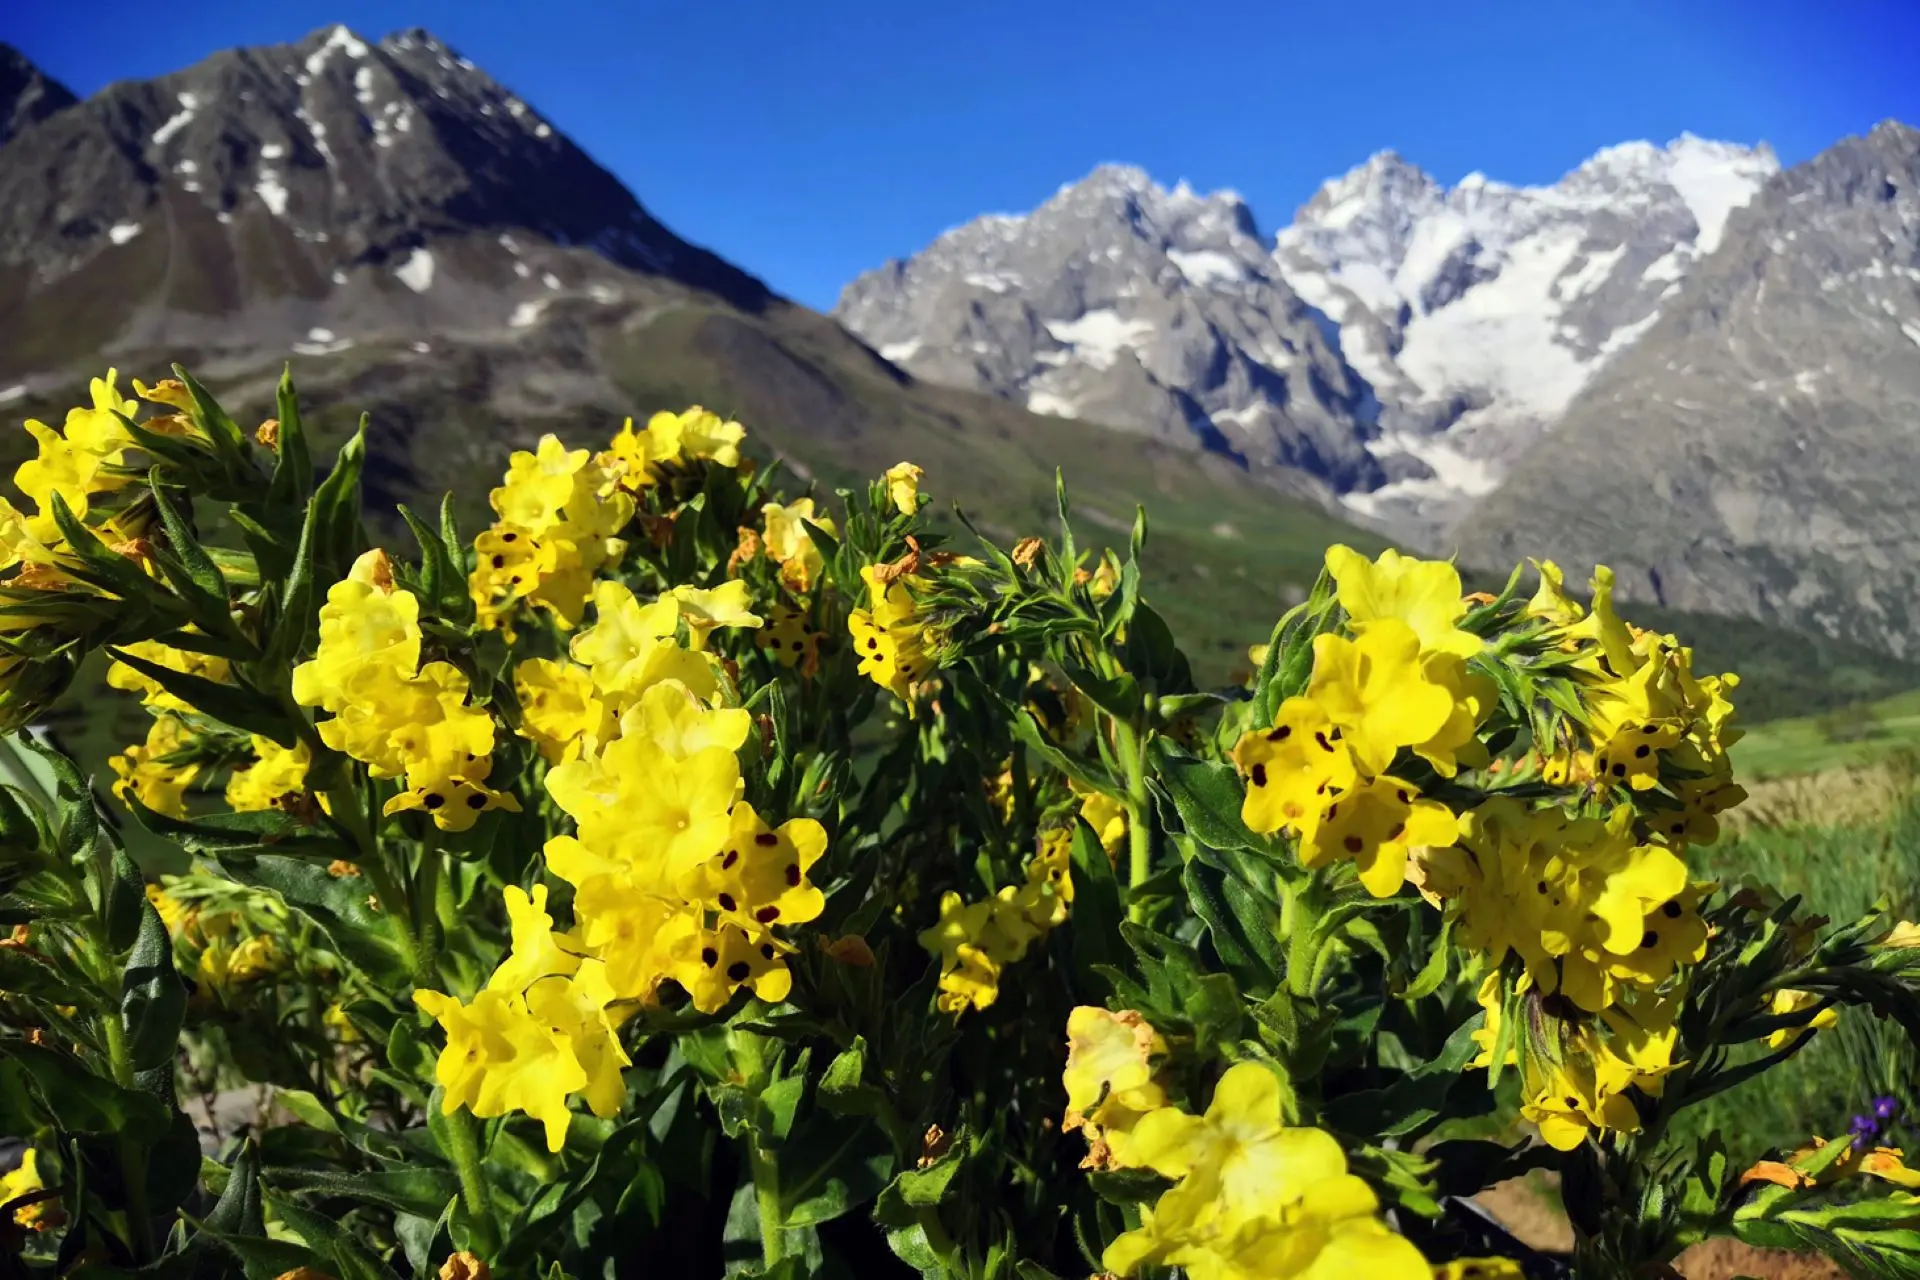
(230, 704)
(337, 905)
(218, 835)
(153, 999)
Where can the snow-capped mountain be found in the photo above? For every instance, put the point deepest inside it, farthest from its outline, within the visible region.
(1401, 341)
(1753, 453)
(1122, 302)
(1477, 313)
(308, 195)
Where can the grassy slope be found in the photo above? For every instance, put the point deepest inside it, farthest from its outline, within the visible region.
(1855, 734)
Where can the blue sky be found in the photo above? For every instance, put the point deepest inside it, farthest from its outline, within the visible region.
(808, 142)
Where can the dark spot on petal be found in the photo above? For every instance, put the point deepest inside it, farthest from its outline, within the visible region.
(709, 957)
(1402, 795)
(1281, 733)
(739, 970)
(733, 856)
(508, 537)
(1259, 775)
(1320, 737)
(433, 800)
(767, 838)
(1399, 829)
(766, 949)
(499, 562)
(793, 873)
(476, 801)
(726, 902)
(1642, 751)
(1620, 771)
(1649, 940)
(1354, 844)
(1672, 910)
(767, 915)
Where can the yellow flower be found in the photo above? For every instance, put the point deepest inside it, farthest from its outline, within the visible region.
(631, 646)
(24, 1180)
(790, 545)
(62, 468)
(888, 637)
(367, 630)
(696, 433)
(669, 716)
(1254, 1197)
(539, 484)
(168, 391)
(559, 709)
(576, 1007)
(1798, 1002)
(903, 487)
(142, 773)
(640, 806)
(1551, 603)
(1906, 934)
(1584, 1091)
(1378, 691)
(1109, 1079)
(791, 641)
(277, 772)
(1106, 815)
(1294, 769)
(1376, 825)
(510, 564)
(152, 694)
(175, 915)
(715, 963)
(500, 1058)
(1424, 594)
(759, 879)
(631, 457)
(728, 605)
(1479, 1269)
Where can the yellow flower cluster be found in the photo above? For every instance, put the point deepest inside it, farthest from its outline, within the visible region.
(676, 878)
(1252, 1197)
(24, 1180)
(399, 717)
(146, 773)
(889, 634)
(83, 459)
(789, 545)
(277, 776)
(1586, 890)
(558, 511)
(976, 941)
(1320, 771)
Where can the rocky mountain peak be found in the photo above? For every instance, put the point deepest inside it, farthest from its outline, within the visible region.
(1122, 301)
(333, 186)
(27, 94)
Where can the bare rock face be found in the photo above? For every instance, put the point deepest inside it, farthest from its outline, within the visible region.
(1752, 453)
(1124, 303)
(325, 192)
(27, 94)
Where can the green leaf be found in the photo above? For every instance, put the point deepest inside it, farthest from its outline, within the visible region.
(1208, 795)
(350, 1259)
(437, 575)
(843, 1089)
(293, 463)
(1094, 926)
(336, 507)
(924, 1188)
(201, 572)
(24, 972)
(99, 566)
(240, 834)
(228, 703)
(1434, 971)
(153, 999)
(42, 1087)
(336, 904)
(419, 1191)
(220, 429)
(831, 1168)
(303, 1106)
(298, 609)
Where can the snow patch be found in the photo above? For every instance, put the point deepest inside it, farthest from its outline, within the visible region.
(1713, 180)
(527, 313)
(1670, 266)
(417, 271)
(339, 38)
(339, 276)
(319, 335)
(604, 294)
(421, 348)
(121, 232)
(1205, 267)
(550, 280)
(1045, 402)
(993, 281)
(272, 151)
(10, 394)
(1099, 336)
(189, 103)
(1912, 332)
(363, 86)
(522, 270)
(272, 192)
(542, 131)
(895, 352)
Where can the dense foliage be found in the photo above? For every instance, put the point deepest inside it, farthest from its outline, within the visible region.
(684, 874)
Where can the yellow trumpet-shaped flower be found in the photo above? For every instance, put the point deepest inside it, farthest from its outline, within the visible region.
(1424, 594)
(1797, 1002)
(903, 487)
(727, 605)
(1110, 1079)
(1293, 769)
(631, 646)
(368, 629)
(1379, 691)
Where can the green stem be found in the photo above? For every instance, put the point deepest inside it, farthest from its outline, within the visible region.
(133, 1156)
(766, 1195)
(426, 899)
(1130, 747)
(473, 1182)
